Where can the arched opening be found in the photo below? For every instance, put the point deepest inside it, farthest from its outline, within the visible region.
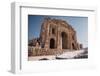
(53, 31)
(64, 40)
(52, 43)
(73, 46)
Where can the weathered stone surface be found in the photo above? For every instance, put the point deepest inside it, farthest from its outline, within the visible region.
(57, 35)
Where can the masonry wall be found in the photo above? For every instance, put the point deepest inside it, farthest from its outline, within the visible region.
(58, 34)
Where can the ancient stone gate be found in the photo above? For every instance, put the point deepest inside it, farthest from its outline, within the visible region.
(58, 34)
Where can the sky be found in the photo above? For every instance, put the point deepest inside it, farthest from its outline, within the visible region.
(80, 24)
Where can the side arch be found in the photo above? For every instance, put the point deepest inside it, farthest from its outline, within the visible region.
(52, 43)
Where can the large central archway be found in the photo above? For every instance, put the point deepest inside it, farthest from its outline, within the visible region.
(64, 40)
(52, 43)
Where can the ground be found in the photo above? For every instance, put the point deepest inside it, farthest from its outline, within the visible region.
(65, 55)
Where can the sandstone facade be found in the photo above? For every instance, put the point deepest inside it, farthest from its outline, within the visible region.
(56, 37)
(58, 34)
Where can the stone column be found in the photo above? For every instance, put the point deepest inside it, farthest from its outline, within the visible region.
(59, 40)
(47, 36)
